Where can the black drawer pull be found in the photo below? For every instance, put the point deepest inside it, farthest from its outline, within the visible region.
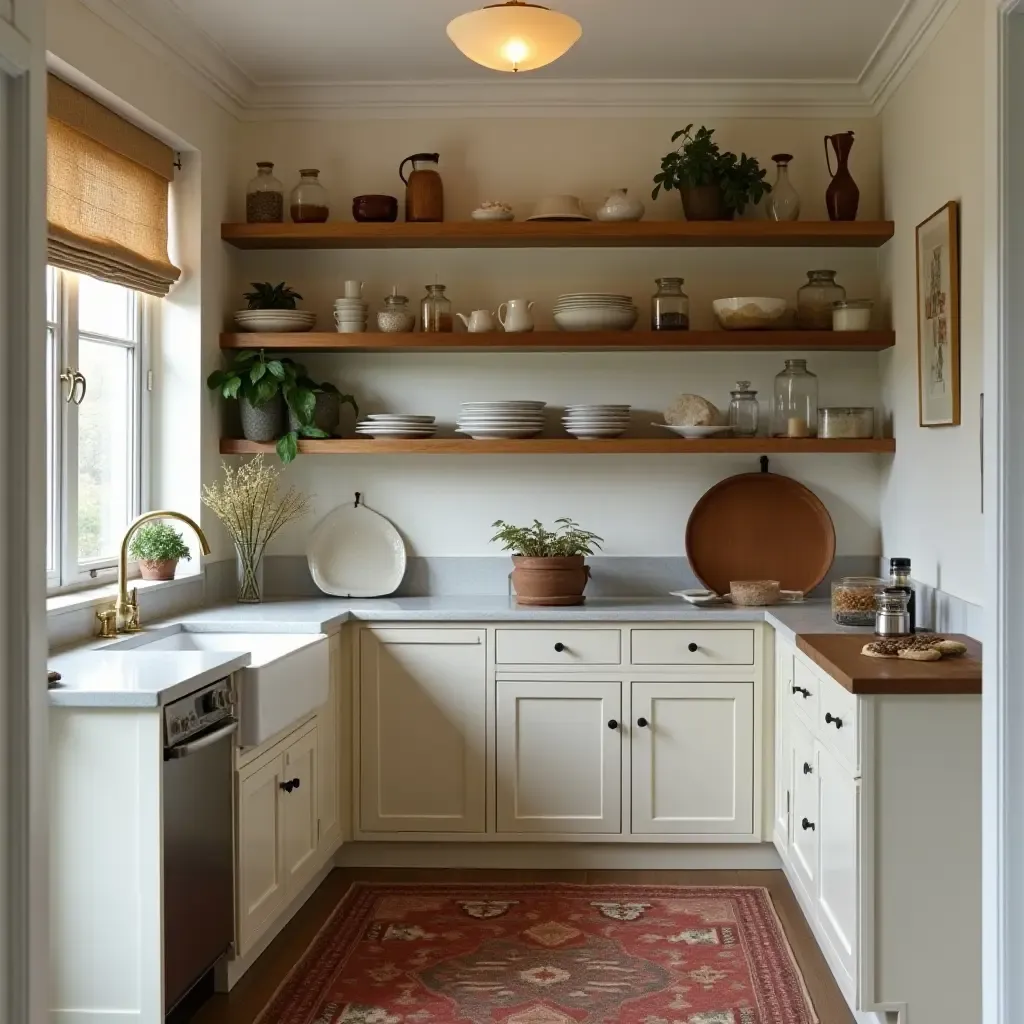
(832, 720)
(805, 825)
(692, 648)
(800, 689)
(289, 784)
(807, 768)
(559, 648)
(612, 724)
(642, 722)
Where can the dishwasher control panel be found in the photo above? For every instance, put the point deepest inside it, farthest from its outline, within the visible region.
(191, 715)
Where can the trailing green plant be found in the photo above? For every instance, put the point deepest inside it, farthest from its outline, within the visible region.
(699, 161)
(536, 541)
(265, 295)
(158, 542)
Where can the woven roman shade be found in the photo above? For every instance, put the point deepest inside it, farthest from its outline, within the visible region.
(106, 194)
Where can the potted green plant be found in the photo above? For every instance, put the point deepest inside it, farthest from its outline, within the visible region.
(157, 547)
(327, 407)
(265, 295)
(548, 565)
(714, 185)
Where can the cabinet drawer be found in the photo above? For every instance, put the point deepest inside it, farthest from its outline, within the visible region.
(837, 724)
(557, 646)
(802, 692)
(692, 646)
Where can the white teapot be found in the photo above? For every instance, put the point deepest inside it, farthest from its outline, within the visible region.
(518, 315)
(479, 321)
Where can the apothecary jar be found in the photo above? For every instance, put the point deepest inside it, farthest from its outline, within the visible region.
(795, 401)
(436, 311)
(264, 196)
(815, 300)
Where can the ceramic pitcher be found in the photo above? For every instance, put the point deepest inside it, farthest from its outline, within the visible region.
(517, 315)
(842, 196)
(478, 322)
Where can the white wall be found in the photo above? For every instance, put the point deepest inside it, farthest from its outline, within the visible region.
(639, 504)
(932, 153)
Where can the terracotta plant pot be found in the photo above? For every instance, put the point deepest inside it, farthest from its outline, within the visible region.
(158, 569)
(549, 581)
(704, 202)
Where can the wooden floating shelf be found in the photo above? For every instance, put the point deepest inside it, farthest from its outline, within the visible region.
(559, 234)
(571, 446)
(571, 341)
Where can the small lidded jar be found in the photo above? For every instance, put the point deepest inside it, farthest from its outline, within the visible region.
(264, 197)
(854, 598)
(436, 311)
(670, 306)
(852, 315)
(395, 317)
(309, 201)
(743, 410)
(816, 299)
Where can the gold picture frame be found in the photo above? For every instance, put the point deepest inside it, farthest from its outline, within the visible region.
(938, 318)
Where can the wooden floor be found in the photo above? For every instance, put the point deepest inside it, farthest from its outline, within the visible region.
(243, 1004)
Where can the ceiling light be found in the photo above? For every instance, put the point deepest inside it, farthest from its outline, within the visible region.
(514, 36)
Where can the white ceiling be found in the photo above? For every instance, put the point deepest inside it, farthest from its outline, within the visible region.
(313, 42)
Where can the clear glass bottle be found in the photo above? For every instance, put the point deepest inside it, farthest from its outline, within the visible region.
(815, 300)
(783, 201)
(795, 401)
(436, 311)
(264, 197)
(743, 410)
(309, 202)
(670, 306)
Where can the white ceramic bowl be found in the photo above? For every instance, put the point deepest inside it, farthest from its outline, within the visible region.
(559, 208)
(749, 313)
(493, 214)
(596, 319)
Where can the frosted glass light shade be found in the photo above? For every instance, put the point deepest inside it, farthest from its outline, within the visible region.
(514, 36)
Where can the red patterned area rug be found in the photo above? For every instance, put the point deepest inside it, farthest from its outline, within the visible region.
(547, 954)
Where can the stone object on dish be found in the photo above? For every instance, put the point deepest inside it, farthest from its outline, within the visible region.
(750, 313)
(693, 411)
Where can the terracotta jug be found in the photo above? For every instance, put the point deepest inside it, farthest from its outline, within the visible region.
(842, 195)
(424, 191)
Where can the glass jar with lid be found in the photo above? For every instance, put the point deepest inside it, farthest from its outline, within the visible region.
(783, 201)
(854, 599)
(309, 201)
(395, 317)
(264, 196)
(816, 299)
(670, 306)
(795, 401)
(436, 311)
(743, 410)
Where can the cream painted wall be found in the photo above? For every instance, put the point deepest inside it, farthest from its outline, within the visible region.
(640, 505)
(932, 146)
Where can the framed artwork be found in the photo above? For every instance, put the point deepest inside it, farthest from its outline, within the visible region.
(938, 318)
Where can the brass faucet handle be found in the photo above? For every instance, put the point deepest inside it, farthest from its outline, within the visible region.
(131, 624)
(108, 623)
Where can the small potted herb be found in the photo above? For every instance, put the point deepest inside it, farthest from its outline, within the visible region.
(713, 185)
(265, 295)
(548, 565)
(157, 548)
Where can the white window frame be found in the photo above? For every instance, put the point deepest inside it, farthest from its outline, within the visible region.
(65, 571)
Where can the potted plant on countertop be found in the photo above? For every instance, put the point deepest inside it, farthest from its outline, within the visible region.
(548, 565)
(713, 185)
(157, 548)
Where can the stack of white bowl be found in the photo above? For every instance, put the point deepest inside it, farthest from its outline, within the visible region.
(350, 315)
(495, 420)
(590, 422)
(394, 424)
(595, 311)
(274, 321)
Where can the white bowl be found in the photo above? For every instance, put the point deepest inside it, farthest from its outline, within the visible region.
(596, 319)
(352, 328)
(558, 208)
(493, 214)
(749, 313)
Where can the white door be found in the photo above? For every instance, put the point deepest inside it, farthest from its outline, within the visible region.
(692, 747)
(838, 813)
(559, 756)
(422, 730)
(261, 875)
(329, 753)
(299, 811)
(805, 831)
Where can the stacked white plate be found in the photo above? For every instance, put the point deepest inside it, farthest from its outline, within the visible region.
(394, 424)
(595, 311)
(591, 422)
(350, 315)
(493, 420)
(274, 321)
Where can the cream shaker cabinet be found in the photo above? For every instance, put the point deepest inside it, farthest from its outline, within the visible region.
(422, 730)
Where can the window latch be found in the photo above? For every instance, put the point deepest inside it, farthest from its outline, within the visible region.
(74, 378)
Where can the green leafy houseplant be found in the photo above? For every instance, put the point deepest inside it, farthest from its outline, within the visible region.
(567, 539)
(265, 295)
(714, 184)
(157, 547)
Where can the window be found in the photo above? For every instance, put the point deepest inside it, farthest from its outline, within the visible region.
(96, 365)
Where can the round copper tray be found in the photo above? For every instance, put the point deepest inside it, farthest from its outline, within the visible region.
(760, 526)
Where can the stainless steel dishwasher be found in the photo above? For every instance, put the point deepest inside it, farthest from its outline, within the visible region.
(199, 735)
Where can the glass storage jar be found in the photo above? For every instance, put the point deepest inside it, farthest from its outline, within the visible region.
(846, 421)
(795, 401)
(815, 300)
(309, 202)
(743, 410)
(670, 306)
(435, 311)
(853, 600)
(852, 315)
(783, 200)
(264, 197)
(395, 317)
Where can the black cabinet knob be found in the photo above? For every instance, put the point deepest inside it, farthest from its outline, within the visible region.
(642, 722)
(612, 724)
(295, 783)
(832, 720)
(692, 648)
(805, 825)
(559, 648)
(286, 786)
(799, 689)
(807, 768)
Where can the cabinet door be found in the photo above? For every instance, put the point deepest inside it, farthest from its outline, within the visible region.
(422, 730)
(783, 789)
(838, 813)
(299, 810)
(559, 754)
(804, 835)
(328, 751)
(692, 750)
(261, 880)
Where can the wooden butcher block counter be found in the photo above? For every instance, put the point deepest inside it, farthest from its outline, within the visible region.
(839, 654)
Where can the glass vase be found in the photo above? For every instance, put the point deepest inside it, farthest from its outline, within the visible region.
(783, 200)
(249, 568)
